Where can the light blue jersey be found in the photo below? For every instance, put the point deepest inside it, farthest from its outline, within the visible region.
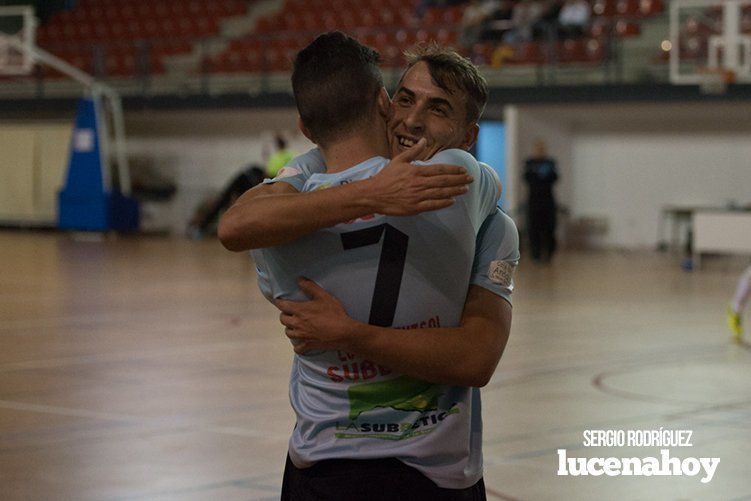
(402, 272)
(497, 243)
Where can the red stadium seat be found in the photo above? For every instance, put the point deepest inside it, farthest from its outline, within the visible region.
(625, 28)
(746, 22)
(595, 51)
(446, 36)
(347, 20)
(452, 15)
(145, 10)
(604, 8)
(275, 59)
(528, 53)
(482, 53)
(406, 38)
(127, 11)
(600, 28)
(432, 17)
(368, 19)
(387, 18)
(85, 30)
(571, 51)
(179, 9)
(628, 8)
(423, 36)
(693, 47)
(392, 56)
(162, 10)
(651, 7)
(198, 9)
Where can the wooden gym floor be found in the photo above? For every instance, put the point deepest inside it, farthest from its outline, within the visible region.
(152, 369)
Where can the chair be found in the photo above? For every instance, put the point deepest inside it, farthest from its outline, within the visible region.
(628, 8)
(625, 28)
(604, 8)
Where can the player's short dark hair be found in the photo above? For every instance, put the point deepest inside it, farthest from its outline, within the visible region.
(335, 81)
(452, 73)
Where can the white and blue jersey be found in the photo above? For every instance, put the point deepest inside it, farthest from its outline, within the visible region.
(403, 272)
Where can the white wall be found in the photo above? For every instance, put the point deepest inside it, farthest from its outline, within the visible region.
(623, 163)
(201, 151)
(628, 178)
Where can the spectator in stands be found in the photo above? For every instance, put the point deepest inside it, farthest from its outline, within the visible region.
(540, 174)
(573, 18)
(498, 22)
(524, 15)
(279, 158)
(474, 20)
(546, 27)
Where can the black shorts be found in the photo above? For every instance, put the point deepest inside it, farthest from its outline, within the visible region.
(367, 480)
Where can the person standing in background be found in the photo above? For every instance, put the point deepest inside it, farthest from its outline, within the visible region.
(738, 305)
(540, 173)
(279, 158)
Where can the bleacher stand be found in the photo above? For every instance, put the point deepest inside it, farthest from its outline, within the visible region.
(128, 38)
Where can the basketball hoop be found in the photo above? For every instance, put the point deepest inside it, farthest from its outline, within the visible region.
(709, 50)
(715, 81)
(17, 29)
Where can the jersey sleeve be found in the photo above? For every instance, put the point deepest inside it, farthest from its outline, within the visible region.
(484, 191)
(496, 255)
(263, 275)
(299, 169)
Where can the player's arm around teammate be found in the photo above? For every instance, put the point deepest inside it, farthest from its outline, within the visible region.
(466, 355)
(270, 214)
(460, 356)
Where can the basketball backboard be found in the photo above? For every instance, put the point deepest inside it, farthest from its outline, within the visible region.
(710, 42)
(17, 31)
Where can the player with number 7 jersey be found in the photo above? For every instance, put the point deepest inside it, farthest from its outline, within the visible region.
(401, 272)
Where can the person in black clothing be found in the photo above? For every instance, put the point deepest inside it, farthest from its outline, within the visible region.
(540, 174)
(206, 217)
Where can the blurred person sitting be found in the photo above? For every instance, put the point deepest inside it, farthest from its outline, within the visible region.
(573, 19)
(546, 27)
(206, 216)
(524, 15)
(473, 20)
(498, 22)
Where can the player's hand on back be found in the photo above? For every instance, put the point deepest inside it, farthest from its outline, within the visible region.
(404, 189)
(318, 324)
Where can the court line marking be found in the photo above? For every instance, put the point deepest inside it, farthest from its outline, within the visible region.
(634, 366)
(499, 495)
(598, 382)
(523, 375)
(256, 483)
(169, 423)
(125, 356)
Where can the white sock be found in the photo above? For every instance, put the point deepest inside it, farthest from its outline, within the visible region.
(742, 292)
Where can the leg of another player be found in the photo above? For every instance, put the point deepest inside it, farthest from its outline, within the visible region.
(738, 304)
